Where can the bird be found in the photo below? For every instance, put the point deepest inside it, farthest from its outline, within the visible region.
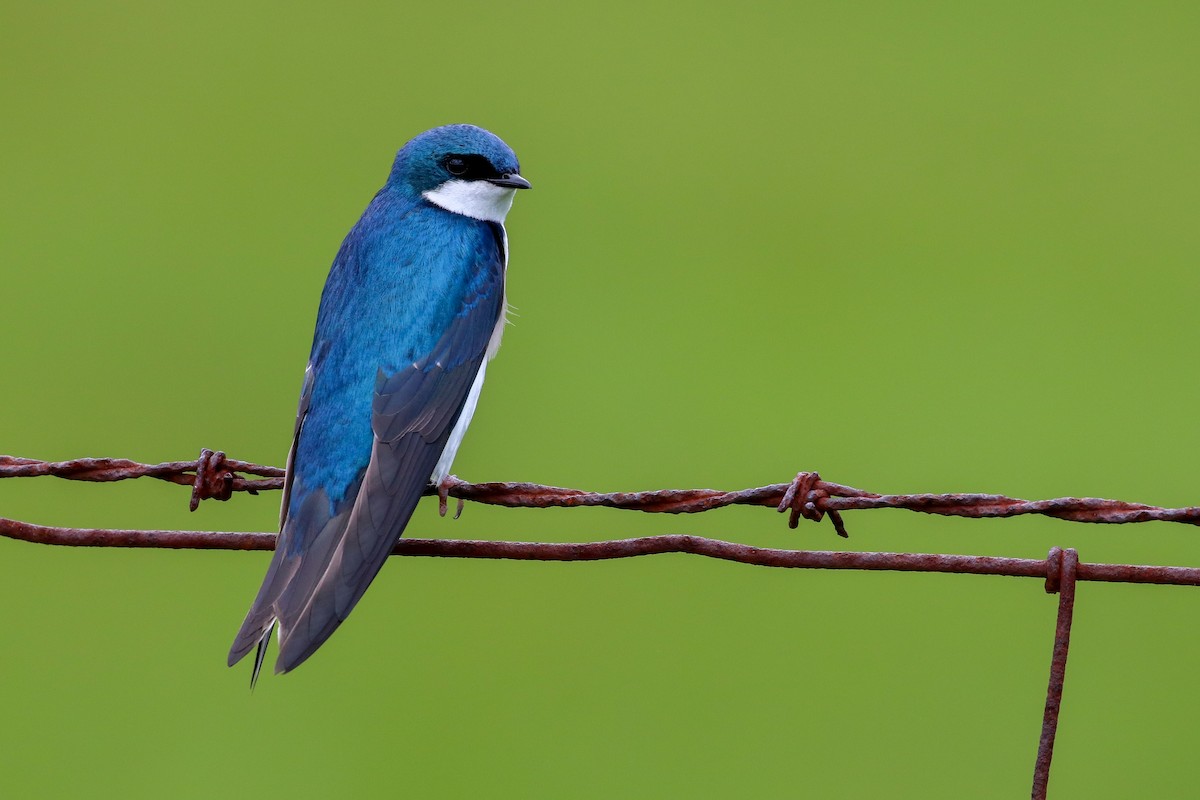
(412, 311)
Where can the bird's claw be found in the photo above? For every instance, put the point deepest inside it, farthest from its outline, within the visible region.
(443, 492)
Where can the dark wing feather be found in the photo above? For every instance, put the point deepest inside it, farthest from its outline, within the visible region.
(406, 449)
(262, 611)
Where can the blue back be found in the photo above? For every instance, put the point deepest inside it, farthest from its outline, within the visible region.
(399, 280)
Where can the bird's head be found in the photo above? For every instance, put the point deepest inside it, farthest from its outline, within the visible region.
(461, 168)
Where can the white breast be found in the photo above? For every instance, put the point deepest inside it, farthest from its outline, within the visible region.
(460, 428)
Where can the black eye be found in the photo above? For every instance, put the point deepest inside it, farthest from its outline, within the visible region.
(469, 166)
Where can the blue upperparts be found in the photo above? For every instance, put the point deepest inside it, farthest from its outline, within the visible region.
(399, 280)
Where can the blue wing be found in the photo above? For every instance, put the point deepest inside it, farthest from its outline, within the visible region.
(410, 306)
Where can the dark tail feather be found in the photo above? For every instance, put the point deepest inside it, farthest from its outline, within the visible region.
(259, 657)
(325, 590)
(312, 526)
(255, 629)
(261, 619)
(251, 634)
(261, 616)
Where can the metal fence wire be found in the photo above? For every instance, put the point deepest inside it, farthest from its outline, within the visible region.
(215, 476)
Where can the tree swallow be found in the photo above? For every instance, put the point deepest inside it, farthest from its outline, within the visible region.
(412, 310)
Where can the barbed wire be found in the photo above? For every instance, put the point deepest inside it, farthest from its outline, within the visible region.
(215, 476)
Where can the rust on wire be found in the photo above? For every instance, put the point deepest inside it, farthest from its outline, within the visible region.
(1062, 570)
(807, 496)
(213, 479)
(121, 469)
(621, 548)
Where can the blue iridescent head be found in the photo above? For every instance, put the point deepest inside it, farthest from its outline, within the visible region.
(461, 168)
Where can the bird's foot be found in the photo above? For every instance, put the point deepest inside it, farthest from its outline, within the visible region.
(806, 498)
(443, 492)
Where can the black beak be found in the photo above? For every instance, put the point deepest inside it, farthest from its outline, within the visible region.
(513, 181)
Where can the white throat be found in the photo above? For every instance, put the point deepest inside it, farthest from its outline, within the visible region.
(476, 199)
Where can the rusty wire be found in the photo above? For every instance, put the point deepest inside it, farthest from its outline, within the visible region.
(213, 475)
(1061, 573)
(621, 548)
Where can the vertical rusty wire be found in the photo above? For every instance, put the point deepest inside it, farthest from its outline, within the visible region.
(1062, 566)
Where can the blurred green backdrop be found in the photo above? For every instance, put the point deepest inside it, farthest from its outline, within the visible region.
(918, 247)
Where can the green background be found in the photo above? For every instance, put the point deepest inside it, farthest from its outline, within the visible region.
(917, 247)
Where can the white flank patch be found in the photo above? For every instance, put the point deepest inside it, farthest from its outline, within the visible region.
(475, 199)
(460, 428)
(497, 332)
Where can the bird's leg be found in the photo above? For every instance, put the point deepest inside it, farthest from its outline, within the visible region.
(443, 493)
